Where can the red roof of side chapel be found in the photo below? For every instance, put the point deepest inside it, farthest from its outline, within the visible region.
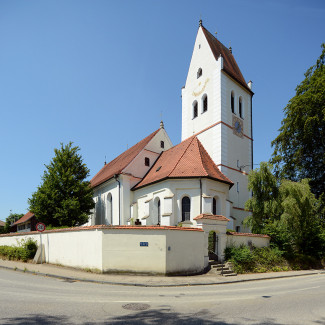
(229, 63)
(188, 159)
(119, 163)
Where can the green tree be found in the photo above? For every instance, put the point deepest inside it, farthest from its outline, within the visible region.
(299, 149)
(264, 202)
(10, 220)
(286, 211)
(64, 198)
(299, 216)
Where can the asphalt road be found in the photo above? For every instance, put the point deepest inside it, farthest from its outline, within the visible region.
(32, 299)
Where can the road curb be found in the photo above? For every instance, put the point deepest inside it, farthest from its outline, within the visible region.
(75, 279)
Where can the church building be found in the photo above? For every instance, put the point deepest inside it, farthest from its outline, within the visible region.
(202, 180)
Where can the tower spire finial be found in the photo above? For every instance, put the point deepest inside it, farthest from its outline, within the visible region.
(200, 21)
(161, 120)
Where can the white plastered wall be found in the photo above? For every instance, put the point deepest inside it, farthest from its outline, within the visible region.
(80, 249)
(146, 197)
(185, 252)
(120, 250)
(233, 240)
(195, 88)
(173, 191)
(224, 147)
(237, 155)
(101, 192)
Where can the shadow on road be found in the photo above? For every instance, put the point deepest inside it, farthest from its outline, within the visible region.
(148, 317)
(204, 317)
(35, 319)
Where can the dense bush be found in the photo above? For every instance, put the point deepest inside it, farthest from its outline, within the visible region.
(25, 250)
(246, 259)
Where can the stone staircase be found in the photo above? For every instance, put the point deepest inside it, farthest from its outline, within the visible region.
(218, 268)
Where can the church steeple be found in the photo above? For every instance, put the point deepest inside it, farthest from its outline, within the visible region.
(216, 107)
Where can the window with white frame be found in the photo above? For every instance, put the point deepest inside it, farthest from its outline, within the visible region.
(195, 109)
(232, 102)
(109, 209)
(199, 73)
(186, 208)
(240, 107)
(216, 210)
(204, 103)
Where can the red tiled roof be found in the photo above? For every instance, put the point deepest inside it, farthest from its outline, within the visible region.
(120, 162)
(109, 227)
(24, 218)
(229, 63)
(246, 234)
(211, 217)
(187, 159)
(2, 224)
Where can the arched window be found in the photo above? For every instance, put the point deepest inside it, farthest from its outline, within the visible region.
(98, 214)
(199, 73)
(158, 211)
(162, 144)
(240, 107)
(216, 206)
(146, 161)
(186, 208)
(204, 103)
(109, 209)
(195, 109)
(232, 99)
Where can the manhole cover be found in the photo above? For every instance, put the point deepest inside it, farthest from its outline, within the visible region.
(136, 306)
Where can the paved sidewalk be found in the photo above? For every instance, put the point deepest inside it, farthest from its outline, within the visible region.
(144, 280)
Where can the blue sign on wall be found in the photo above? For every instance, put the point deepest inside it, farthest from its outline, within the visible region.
(144, 243)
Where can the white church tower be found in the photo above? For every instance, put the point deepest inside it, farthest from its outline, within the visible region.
(217, 107)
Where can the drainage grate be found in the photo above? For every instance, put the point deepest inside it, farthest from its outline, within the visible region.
(136, 306)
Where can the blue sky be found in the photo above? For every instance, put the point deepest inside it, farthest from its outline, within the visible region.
(101, 73)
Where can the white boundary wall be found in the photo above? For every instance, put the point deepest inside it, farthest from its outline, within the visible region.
(169, 250)
(247, 239)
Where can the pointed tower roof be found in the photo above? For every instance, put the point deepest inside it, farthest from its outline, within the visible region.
(229, 63)
(188, 159)
(119, 163)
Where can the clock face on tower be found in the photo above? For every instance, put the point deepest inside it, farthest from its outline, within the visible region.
(237, 125)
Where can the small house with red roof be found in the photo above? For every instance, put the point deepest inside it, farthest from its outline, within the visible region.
(25, 223)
